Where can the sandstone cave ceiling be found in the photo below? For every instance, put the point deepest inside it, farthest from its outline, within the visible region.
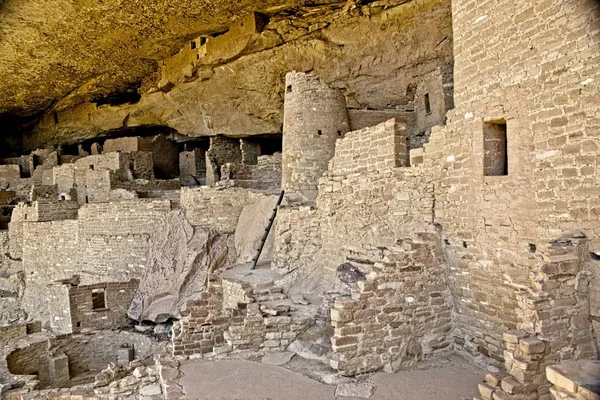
(58, 54)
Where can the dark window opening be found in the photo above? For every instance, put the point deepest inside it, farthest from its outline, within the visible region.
(319, 132)
(289, 89)
(98, 299)
(55, 117)
(339, 133)
(78, 324)
(532, 248)
(192, 45)
(70, 150)
(63, 197)
(202, 41)
(92, 167)
(427, 104)
(464, 244)
(132, 165)
(495, 152)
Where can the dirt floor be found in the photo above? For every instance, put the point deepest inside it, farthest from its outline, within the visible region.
(452, 378)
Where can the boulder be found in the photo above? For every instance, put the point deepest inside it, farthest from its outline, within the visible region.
(250, 229)
(181, 258)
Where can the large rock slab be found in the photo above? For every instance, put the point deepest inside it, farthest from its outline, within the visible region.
(180, 260)
(250, 229)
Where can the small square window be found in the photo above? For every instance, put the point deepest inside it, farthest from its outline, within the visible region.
(320, 132)
(289, 89)
(91, 167)
(495, 151)
(98, 299)
(192, 45)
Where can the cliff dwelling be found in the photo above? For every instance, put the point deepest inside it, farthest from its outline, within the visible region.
(297, 200)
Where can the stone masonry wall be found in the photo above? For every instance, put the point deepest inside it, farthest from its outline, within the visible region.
(314, 118)
(50, 253)
(118, 297)
(297, 248)
(542, 88)
(265, 174)
(376, 148)
(399, 315)
(371, 210)
(216, 209)
(222, 150)
(114, 238)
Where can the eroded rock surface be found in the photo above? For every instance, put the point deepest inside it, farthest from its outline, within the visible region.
(376, 54)
(181, 258)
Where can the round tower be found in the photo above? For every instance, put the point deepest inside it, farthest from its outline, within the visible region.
(314, 117)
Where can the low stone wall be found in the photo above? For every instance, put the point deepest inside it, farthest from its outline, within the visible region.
(264, 175)
(376, 148)
(228, 318)
(401, 312)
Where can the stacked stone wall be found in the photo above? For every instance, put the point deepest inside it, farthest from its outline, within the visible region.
(265, 174)
(115, 238)
(377, 148)
(118, 297)
(204, 321)
(297, 240)
(222, 150)
(399, 315)
(192, 164)
(372, 209)
(64, 177)
(50, 253)
(216, 209)
(494, 225)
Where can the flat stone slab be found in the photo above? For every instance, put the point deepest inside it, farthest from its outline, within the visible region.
(359, 390)
(278, 358)
(575, 377)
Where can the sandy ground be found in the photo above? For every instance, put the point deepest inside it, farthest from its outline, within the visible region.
(249, 380)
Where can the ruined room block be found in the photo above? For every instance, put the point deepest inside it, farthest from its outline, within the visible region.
(314, 117)
(250, 151)
(192, 167)
(222, 150)
(495, 155)
(164, 152)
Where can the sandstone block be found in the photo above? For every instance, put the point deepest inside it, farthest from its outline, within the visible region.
(532, 345)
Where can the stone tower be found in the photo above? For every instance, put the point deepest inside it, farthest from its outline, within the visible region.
(314, 117)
